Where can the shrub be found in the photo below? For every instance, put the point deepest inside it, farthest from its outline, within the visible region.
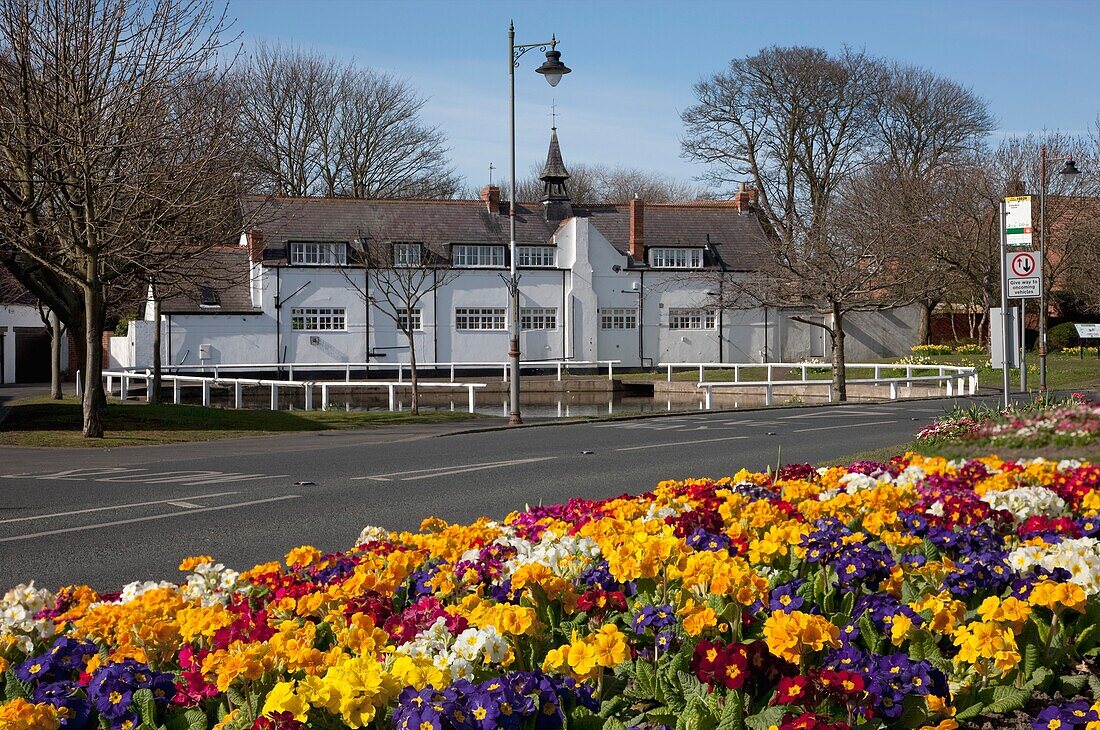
(932, 349)
(1061, 336)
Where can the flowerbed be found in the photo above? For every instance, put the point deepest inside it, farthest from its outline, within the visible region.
(1073, 422)
(919, 593)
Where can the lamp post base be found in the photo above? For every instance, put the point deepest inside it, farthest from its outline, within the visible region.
(513, 367)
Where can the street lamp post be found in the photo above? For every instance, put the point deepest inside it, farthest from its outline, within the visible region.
(1068, 169)
(552, 69)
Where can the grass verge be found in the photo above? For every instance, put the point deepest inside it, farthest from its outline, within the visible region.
(45, 422)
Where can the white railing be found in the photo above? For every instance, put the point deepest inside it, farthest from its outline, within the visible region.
(959, 380)
(402, 368)
(125, 377)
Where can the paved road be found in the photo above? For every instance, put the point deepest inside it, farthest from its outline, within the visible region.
(108, 517)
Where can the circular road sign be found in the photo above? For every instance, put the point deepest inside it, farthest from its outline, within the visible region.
(1023, 264)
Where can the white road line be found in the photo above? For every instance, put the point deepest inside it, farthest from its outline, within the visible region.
(132, 520)
(185, 505)
(843, 425)
(235, 478)
(160, 477)
(681, 443)
(447, 471)
(484, 465)
(475, 468)
(115, 506)
(836, 412)
(75, 475)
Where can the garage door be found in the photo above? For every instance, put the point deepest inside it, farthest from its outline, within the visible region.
(32, 356)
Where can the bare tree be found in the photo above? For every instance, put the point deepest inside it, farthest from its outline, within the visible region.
(800, 124)
(114, 158)
(314, 126)
(929, 128)
(399, 276)
(596, 184)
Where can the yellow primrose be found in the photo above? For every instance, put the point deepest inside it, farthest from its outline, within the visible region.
(282, 698)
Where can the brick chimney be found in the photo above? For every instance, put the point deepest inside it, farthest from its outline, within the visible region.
(491, 195)
(745, 199)
(255, 245)
(637, 230)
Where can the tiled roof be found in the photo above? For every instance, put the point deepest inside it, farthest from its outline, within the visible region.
(434, 223)
(736, 238)
(225, 272)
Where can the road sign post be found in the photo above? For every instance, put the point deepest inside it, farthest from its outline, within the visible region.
(1004, 302)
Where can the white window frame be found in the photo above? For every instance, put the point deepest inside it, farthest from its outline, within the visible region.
(467, 256)
(676, 258)
(406, 255)
(318, 253)
(538, 318)
(319, 319)
(691, 319)
(492, 319)
(403, 316)
(536, 256)
(619, 318)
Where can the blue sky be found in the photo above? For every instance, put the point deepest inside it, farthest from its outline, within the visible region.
(634, 63)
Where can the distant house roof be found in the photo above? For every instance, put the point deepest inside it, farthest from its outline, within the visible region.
(12, 293)
(218, 284)
(735, 239)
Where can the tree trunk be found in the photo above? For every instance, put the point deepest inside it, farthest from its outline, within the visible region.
(412, 364)
(55, 357)
(924, 330)
(840, 383)
(94, 396)
(154, 384)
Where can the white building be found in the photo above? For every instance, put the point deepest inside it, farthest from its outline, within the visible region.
(636, 283)
(24, 338)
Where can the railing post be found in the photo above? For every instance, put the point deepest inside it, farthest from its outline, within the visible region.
(559, 371)
(610, 370)
(79, 384)
(400, 374)
(324, 396)
(708, 390)
(123, 387)
(148, 385)
(736, 374)
(878, 373)
(960, 386)
(110, 385)
(238, 394)
(670, 373)
(176, 390)
(347, 375)
(472, 397)
(391, 389)
(453, 372)
(308, 388)
(769, 376)
(505, 372)
(949, 393)
(829, 390)
(803, 373)
(274, 396)
(701, 376)
(893, 390)
(206, 393)
(291, 377)
(768, 389)
(908, 374)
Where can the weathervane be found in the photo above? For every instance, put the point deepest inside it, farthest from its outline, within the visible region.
(553, 114)
(491, 168)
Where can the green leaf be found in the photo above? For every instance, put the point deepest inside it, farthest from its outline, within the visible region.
(1094, 685)
(1039, 679)
(587, 723)
(15, 688)
(614, 723)
(1071, 684)
(145, 705)
(732, 716)
(848, 605)
(1007, 699)
(931, 552)
(914, 712)
(765, 718)
(872, 637)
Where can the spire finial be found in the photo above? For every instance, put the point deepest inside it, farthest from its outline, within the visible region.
(553, 114)
(491, 168)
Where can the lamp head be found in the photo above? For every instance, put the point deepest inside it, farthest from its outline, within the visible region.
(553, 69)
(1069, 168)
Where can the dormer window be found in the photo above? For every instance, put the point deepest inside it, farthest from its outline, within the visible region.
(318, 253)
(676, 258)
(475, 256)
(406, 255)
(208, 298)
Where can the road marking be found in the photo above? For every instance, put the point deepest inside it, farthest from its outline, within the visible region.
(120, 475)
(848, 413)
(116, 506)
(442, 471)
(185, 505)
(132, 520)
(843, 425)
(681, 443)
